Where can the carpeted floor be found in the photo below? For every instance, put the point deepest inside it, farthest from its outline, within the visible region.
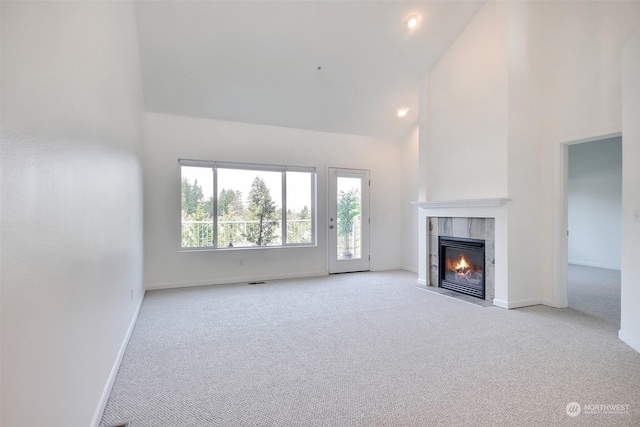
(595, 292)
(370, 349)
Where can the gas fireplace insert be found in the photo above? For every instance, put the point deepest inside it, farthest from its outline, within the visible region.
(462, 265)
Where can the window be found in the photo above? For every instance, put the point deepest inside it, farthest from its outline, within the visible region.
(254, 205)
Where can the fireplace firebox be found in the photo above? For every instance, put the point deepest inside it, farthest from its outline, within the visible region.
(462, 265)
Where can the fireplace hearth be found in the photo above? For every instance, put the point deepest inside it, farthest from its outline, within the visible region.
(462, 265)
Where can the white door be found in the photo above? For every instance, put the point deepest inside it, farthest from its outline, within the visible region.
(348, 220)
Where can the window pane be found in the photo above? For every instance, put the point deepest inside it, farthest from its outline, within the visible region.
(249, 208)
(197, 207)
(299, 225)
(349, 219)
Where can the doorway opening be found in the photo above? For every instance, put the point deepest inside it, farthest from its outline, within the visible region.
(594, 220)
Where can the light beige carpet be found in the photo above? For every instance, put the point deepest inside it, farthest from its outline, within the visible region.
(366, 349)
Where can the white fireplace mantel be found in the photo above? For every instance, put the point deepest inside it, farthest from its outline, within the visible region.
(463, 203)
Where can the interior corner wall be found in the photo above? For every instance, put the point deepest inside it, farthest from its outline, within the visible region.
(409, 186)
(630, 285)
(595, 203)
(71, 214)
(467, 95)
(169, 138)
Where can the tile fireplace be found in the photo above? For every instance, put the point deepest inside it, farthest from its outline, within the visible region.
(473, 219)
(462, 255)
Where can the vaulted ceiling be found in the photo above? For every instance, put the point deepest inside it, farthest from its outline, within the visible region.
(333, 66)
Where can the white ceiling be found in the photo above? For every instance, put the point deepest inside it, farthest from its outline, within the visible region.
(258, 62)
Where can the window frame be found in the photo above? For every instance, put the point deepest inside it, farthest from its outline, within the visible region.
(283, 169)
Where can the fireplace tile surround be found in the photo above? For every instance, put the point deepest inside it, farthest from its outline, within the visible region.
(474, 228)
(464, 218)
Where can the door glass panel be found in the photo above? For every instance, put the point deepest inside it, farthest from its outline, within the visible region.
(349, 221)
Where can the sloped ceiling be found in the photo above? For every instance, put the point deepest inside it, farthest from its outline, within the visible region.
(333, 66)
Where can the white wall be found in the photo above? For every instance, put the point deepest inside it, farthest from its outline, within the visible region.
(169, 138)
(409, 174)
(564, 86)
(595, 203)
(71, 210)
(467, 92)
(630, 316)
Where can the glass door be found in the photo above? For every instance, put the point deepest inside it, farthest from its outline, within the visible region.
(348, 220)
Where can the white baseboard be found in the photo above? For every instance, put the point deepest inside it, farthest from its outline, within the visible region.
(516, 304)
(102, 404)
(630, 341)
(500, 303)
(595, 264)
(422, 282)
(157, 286)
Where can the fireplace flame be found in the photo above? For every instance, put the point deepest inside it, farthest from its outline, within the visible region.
(461, 265)
(463, 269)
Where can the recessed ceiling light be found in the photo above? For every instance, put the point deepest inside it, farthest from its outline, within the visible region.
(402, 112)
(413, 21)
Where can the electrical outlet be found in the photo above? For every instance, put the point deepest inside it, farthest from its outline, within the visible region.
(636, 215)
